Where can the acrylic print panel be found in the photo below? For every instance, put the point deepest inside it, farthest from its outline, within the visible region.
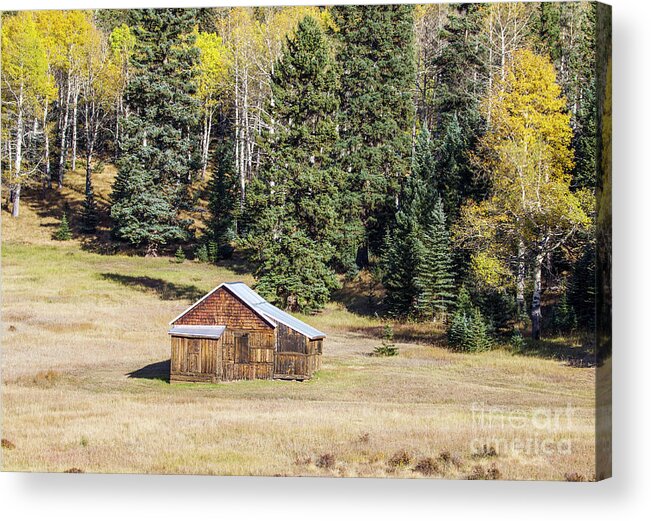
(360, 241)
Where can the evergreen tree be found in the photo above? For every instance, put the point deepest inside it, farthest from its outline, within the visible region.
(159, 153)
(461, 66)
(434, 276)
(295, 227)
(89, 213)
(467, 330)
(63, 232)
(375, 50)
(179, 256)
(223, 194)
(387, 348)
(293, 273)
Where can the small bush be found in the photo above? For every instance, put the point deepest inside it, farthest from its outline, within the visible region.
(447, 458)
(426, 466)
(84, 441)
(202, 253)
(179, 256)
(74, 470)
(400, 459)
(63, 233)
(468, 330)
(574, 476)
(46, 378)
(387, 348)
(489, 473)
(485, 452)
(517, 341)
(326, 461)
(364, 438)
(213, 252)
(6, 444)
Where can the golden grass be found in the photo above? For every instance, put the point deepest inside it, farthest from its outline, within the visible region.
(77, 324)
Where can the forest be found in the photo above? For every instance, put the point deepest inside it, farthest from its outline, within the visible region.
(443, 157)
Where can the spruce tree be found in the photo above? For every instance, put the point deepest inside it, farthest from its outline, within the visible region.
(158, 148)
(375, 50)
(467, 330)
(461, 67)
(434, 274)
(223, 194)
(89, 213)
(295, 225)
(63, 232)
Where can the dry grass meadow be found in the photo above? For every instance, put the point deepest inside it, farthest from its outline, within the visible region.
(85, 354)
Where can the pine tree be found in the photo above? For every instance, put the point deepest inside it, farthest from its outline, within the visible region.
(89, 214)
(375, 50)
(467, 330)
(461, 67)
(159, 150)
(295, 228)
(404, 251)
(293, 273)
(223, 194)
(63, 232)
(202, 253)
(387, 348)
(434, 274)
(179, 256)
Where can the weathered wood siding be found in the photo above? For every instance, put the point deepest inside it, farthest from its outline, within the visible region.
(222, 308)
(247, 354)
(297, 357)
(195, 359)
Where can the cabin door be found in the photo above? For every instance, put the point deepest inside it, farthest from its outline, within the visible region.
(242, 348)
(194, 356)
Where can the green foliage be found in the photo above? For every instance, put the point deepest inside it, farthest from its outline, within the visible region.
(417, 258)
(581, 291)
(89, 213)
(63, 233)
(179, 256)
(223, 194)
(159, 151)
(387, 348)
(375, 50)
(563, 319)
(467, 330)
(294, 275)
(202, 253)
(295, 224)
(517, 341)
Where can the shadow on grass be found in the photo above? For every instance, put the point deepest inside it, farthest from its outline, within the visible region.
(156, 371)
(558, 349)
(164, 289)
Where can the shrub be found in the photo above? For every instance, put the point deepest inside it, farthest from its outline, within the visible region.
(387, 348)
(426, 466)
(489, 473)
(574, 476)
(74, 470)
(563, 318)
(485, 452)
(213, 252)
(326, 461)
(517, 340)
(400, 459)
(63, 233)
(467, 330)
(179, 256)
(447, 458)
(202, 253)
(6, 444)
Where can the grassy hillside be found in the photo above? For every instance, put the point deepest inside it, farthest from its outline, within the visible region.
(86, 355)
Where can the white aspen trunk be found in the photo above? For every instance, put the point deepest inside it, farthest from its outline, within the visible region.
(74, 129)
(64, 129)
(520, 282)
(18, 162)
(46, 158)
(536, 314)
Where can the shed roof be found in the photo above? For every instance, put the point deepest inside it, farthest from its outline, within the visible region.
(197, 331)
(264, 309)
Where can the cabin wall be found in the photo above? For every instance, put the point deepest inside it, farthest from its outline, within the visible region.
(222, 308)
(247, 355)
(297, 357)
(195, 359)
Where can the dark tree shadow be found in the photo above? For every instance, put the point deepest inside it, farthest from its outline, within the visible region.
(164, 289)
(574, 356)
(156, 371)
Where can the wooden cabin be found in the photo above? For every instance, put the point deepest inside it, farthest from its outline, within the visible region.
(232, 333)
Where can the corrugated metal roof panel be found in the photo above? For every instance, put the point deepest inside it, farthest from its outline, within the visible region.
(255, 301)
(281, 316)
(214, 332)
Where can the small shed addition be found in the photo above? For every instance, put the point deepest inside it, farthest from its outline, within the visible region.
(232, 333)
